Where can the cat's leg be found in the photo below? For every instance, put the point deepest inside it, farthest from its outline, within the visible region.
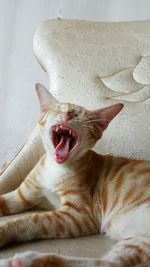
(35, 259)
(26, 196)
(43, 225)
(129, 252)
(24, 161)
(132, 252)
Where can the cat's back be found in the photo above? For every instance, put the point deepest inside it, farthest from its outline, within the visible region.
(115, 168)
(124, 179)
(121, 181)
(122, 194)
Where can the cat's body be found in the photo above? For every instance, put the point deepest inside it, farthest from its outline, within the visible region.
(82, 192)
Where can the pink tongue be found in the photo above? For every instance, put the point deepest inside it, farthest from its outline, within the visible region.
(62, 149)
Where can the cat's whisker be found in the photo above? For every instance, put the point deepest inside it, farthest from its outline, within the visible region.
(87, 126)
(81, 124)
(95, 120)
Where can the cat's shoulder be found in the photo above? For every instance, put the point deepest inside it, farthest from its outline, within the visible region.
(108, 158)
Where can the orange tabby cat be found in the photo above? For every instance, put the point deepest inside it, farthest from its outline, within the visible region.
(82, 192)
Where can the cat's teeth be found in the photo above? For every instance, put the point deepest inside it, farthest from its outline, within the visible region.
(57, 129)
(70, 132)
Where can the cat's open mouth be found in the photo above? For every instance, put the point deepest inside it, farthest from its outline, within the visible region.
(65, 140)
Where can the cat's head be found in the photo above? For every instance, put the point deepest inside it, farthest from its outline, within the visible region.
(69, 131)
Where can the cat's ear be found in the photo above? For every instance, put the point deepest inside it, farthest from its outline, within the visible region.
(45, 98)
(105, 115)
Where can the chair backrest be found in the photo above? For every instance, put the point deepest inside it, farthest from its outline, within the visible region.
(96, 64)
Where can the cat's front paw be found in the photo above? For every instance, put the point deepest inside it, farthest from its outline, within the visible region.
(34, 259)
(19, 260)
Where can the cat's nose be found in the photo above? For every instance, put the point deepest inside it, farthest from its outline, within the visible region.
(67, 116)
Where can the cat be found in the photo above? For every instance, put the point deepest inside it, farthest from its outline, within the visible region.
(81, 192)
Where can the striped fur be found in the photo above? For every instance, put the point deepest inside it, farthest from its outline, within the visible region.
(88, 193)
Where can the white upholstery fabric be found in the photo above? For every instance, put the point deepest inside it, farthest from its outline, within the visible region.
(97, 64)
(92, 64)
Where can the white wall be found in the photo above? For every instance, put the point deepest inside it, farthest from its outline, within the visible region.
(19, 70)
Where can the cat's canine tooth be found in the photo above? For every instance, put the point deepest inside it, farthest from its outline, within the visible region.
(57, 129)
(70, 132)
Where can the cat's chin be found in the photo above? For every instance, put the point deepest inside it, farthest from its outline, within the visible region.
(60, 160)
(65, 140)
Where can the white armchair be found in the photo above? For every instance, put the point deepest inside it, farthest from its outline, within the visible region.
(92, 64)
